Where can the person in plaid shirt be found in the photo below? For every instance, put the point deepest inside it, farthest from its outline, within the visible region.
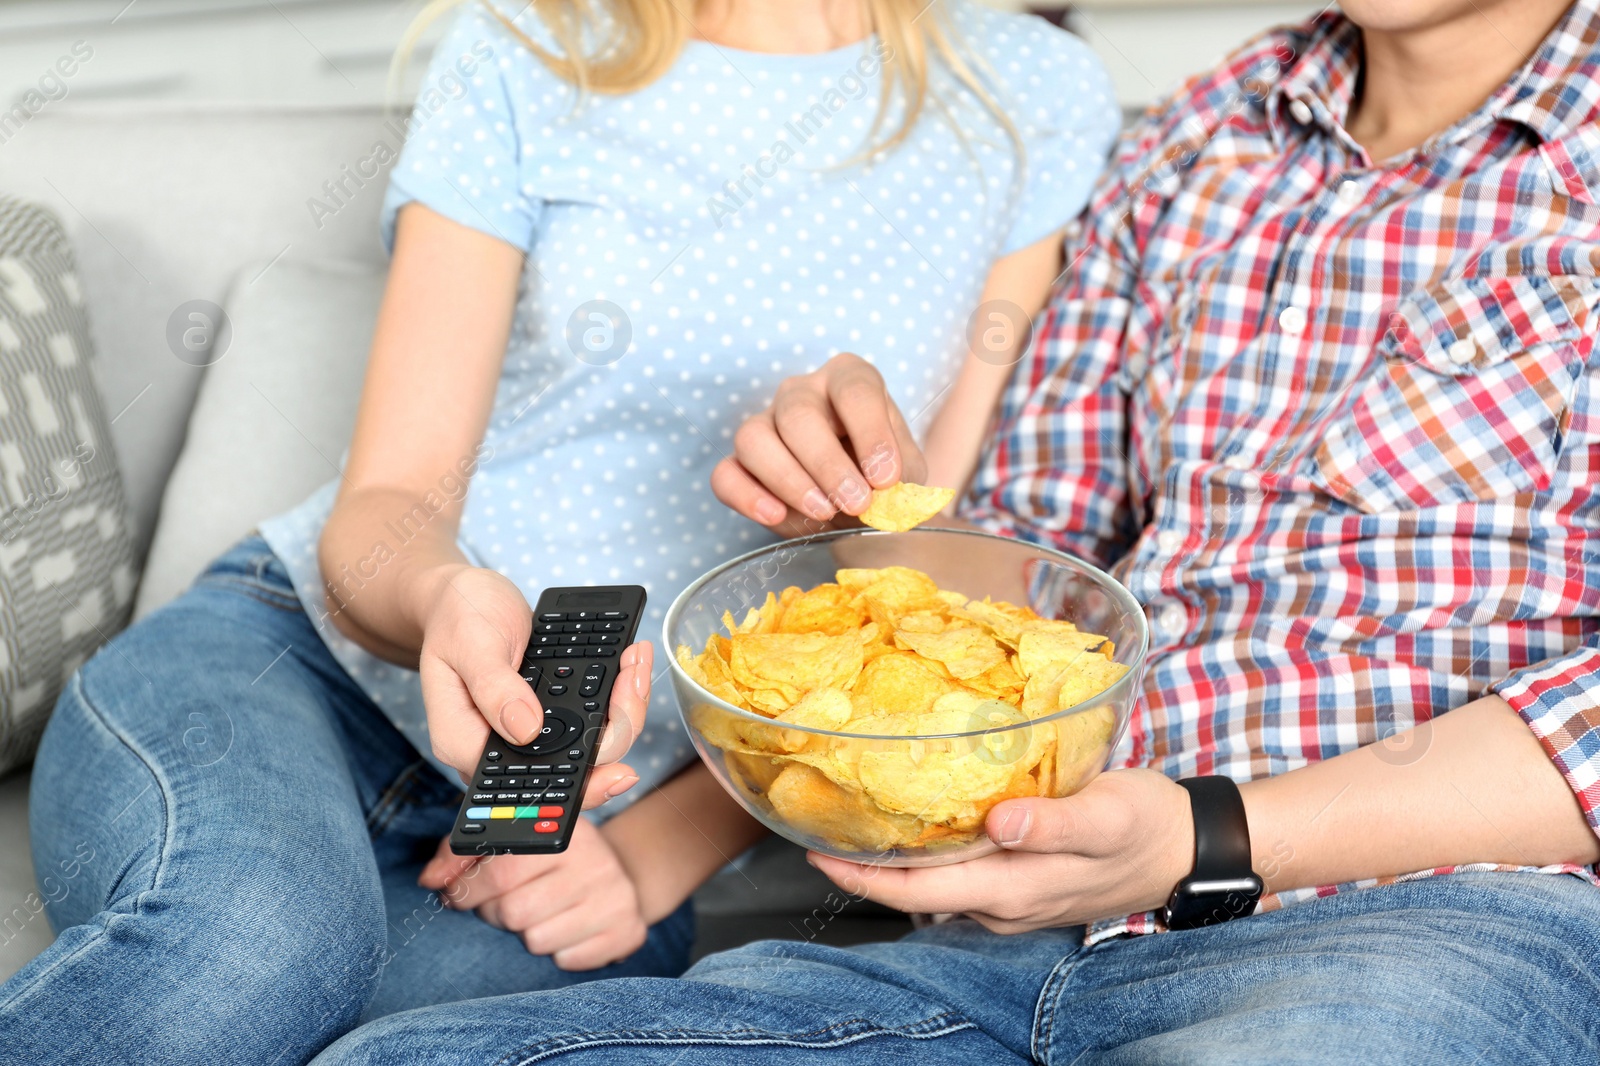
(1317, 386)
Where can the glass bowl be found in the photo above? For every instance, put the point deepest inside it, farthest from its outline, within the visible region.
(890, 798)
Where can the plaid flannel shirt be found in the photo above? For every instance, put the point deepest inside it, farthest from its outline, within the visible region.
(1334, 422)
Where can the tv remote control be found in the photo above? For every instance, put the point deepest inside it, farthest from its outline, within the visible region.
(524, 798)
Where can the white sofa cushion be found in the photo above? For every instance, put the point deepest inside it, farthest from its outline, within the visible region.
(274, 413)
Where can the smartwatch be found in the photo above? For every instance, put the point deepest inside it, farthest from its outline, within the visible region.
(1223, 885)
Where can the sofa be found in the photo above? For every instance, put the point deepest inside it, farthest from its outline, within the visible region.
(270, 215)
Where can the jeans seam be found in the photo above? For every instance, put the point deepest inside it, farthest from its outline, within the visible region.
(160, 785)
(845, 1032)
(270, 595)
(1044, 1017)
(389, 803)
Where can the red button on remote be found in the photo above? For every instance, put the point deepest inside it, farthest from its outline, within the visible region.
(546, 826)
(551, 812)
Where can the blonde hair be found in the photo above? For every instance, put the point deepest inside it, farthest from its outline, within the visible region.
(638, 40)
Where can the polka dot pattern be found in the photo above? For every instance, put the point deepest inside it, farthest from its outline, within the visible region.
(726, 213)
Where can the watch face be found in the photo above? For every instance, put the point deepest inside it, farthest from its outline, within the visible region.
(1198, 903)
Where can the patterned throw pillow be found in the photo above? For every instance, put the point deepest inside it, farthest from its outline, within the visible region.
(66, 567)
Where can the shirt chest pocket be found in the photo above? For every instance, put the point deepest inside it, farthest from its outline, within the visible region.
(1468, 396)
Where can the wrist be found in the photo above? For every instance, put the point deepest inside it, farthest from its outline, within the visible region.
(1222, 883)
(1269, 852)
(421, 588)
(651, 888)
(1174, 859)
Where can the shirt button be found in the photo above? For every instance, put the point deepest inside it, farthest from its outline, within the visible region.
(1350, 193)
(1172, 619)
(1463, 351)
(1301, 112)
(1292, 320)
(1170, 540)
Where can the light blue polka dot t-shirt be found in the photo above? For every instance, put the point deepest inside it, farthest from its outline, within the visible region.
(689, 246)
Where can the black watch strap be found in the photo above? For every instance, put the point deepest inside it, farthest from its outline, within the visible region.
(1223, 884)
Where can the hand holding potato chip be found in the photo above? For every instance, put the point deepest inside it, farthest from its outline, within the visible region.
(829, 438)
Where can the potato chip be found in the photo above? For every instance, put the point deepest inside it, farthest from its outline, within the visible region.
(1006, 621)
(898, 683)
(1082, 743)
(823, 708)
(1038, 648)
(946, 781)
(752, 774)
(905, 506)
(829, 609)
(1001, 682)
(1088, 679)
(965, 652)
(795, 662)
(807, 800)
(898, 593)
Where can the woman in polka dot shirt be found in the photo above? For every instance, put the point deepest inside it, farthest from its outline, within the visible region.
(601, 269)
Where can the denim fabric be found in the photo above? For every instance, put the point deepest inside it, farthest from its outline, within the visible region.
(228, 835)
(1466, 968)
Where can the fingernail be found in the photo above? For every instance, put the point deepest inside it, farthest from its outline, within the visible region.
(811, 860)
(641, 683)
(619, 787)
(817, 505)
(881, 467)
(1013, 827)
(852, 491)
(516, 718)
(770, 512)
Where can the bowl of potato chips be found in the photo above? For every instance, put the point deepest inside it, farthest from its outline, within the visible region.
(871, 695)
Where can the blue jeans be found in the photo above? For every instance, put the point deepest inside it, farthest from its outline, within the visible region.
(228, 835)
(1466, 969)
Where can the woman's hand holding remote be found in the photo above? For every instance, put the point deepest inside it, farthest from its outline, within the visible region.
(474, 634)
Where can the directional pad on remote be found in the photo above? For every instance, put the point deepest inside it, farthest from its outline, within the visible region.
(560, 726)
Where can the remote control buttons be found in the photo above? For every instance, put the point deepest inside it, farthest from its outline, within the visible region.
(613, 616)
(546, 826)
(553, 616)
(504, 812)
(563, 671)
(493, 755)
(557, 689)
(472, 827)
(561, 727)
